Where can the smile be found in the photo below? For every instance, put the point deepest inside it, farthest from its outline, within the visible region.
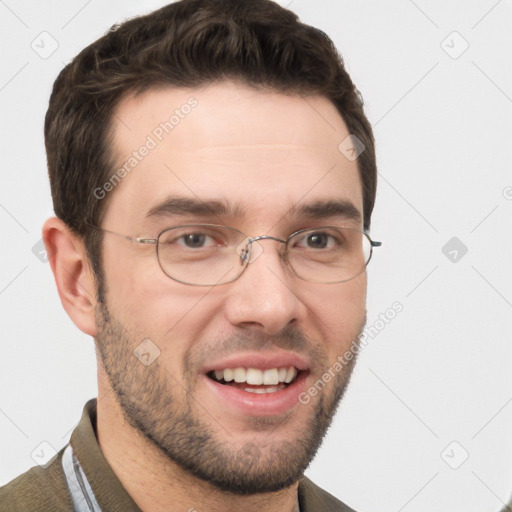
(255, 380)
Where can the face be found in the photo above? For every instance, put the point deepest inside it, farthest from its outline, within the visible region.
(266, 164)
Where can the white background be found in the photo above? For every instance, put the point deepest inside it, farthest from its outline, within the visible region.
(440, 371)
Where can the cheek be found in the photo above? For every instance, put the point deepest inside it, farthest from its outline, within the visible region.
(132, 285)
(152, 305)
(339, 311)
(347, 297)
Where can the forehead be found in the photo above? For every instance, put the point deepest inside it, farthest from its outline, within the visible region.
(263, 151)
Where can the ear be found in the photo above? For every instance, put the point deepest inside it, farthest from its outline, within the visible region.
(73, 276)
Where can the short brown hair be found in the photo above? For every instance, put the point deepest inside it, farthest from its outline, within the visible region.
(186, 44)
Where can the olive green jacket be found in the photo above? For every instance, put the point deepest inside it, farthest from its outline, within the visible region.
(45, 489)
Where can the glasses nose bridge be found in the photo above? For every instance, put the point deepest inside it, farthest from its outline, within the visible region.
(264, 237)
(252, 239)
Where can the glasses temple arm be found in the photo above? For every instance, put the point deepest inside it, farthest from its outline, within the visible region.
(138, 240)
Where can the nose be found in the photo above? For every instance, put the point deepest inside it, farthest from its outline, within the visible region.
(265, 296)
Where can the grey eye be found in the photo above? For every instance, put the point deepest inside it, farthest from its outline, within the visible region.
(194, 240)
(317, 240)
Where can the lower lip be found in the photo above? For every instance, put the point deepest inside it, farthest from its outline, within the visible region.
(260, 404)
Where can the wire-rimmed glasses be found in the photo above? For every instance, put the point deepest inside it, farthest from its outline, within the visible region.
(214, 254)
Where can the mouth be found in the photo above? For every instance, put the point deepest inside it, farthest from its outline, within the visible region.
(256, 384)
(257, 380)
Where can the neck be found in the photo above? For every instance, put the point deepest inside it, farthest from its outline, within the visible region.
(157, 483)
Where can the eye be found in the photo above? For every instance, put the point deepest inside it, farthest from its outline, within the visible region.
(317, 240)
(195, 240)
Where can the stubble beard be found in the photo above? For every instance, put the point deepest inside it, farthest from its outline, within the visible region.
(155, 404)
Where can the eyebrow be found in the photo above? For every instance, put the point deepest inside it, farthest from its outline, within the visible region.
(178, 205)
(328, 208)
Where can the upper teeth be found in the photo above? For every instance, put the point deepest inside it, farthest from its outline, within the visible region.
(256, 376)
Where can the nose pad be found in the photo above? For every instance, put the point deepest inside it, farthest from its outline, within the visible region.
(248, 250)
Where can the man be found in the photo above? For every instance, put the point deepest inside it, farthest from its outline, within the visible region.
(213, 177)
